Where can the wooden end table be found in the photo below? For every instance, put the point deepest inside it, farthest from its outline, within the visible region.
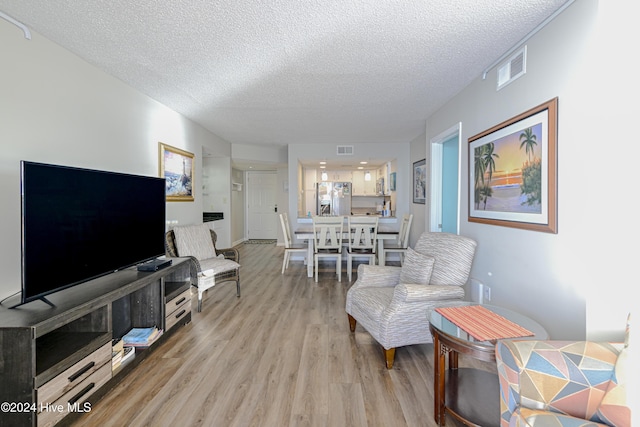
(472, 396)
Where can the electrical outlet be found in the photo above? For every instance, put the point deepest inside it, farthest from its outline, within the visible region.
(487, 293)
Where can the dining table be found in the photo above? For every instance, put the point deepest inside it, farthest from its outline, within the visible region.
(306, 233)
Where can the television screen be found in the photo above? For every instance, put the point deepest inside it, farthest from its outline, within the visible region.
(79, 224)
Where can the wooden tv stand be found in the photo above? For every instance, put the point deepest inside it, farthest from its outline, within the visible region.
(52, 359)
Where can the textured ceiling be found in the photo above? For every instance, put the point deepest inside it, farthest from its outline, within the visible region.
(291, 71)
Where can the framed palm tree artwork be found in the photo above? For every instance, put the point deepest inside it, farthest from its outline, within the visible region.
(513, 171)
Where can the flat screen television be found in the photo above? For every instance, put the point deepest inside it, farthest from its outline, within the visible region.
(80, 224)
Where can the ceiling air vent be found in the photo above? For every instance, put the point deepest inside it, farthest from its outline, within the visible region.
(345, 150)
(515, 67)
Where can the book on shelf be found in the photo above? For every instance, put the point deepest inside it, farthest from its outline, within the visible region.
(117, 344)
(117, 351)
(128, 354)
(116, 359)
(141, 337)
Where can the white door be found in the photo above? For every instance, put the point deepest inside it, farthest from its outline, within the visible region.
(262, 216)
(445, 185)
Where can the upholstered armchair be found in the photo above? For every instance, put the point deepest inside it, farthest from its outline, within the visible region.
(209, 265)
(563, 383)
(393, 303)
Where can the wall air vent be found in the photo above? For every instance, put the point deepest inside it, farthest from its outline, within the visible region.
(345, 150)
(514, 68)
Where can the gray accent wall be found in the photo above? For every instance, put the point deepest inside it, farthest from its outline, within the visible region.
(576, 283)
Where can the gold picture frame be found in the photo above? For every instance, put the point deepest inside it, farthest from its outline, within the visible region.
(513, 171)
(177, 168)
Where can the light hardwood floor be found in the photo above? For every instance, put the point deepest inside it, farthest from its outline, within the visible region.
(281, 355)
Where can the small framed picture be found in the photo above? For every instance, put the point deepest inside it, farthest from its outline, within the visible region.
(177, 168)
(420, 181)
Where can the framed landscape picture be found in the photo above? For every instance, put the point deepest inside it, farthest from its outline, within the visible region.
(420, 181)
(513, 171)
(177, 168)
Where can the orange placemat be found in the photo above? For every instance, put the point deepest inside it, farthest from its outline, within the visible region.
(482, 323)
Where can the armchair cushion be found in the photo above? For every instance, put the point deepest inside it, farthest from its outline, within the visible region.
(377, 275)
(195, 240)
(414, 293)
(218, 265)
(417, 268)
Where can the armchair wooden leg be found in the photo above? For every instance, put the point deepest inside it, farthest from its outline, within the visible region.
(238, 288)
(352, 323)
(389, 356)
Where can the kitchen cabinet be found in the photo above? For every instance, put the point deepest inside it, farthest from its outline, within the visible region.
(309, 192)
(336, 176)
(362, 187)
(310, 179)
(384, 173)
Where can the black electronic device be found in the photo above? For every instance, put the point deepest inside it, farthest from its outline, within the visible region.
(79, 224)
(154, 265)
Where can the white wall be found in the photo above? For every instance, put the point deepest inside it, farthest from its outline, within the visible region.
(267, 154)
(216, 196)
(419, 211)
(57, 108)
(282, 197)
(575, 283)
(237, 207)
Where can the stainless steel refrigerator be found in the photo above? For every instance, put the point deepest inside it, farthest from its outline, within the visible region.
(334, 198)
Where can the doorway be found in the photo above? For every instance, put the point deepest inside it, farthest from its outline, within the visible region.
(262, 216)
(445, 182)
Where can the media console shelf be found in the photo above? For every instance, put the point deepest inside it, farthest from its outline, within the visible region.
(52, 359)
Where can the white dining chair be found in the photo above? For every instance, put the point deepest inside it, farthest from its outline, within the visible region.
(327, 239)
(289, 247)
(403, 239)
(362, 240)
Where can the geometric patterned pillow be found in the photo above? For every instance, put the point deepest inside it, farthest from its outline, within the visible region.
(615, 408)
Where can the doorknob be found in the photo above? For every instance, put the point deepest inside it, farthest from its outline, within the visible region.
(276, 209)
